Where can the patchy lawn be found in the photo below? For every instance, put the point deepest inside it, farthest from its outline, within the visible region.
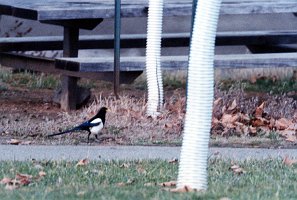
(267, 179)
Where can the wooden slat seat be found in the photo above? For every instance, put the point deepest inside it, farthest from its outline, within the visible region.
(139, 40)
(105, 64)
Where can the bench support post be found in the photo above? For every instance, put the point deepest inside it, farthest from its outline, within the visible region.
(117, 47)
(69, 83)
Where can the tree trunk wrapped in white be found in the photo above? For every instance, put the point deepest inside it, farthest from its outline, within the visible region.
(153, 54)
(194, 152)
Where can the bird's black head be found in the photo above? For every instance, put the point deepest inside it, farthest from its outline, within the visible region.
(101, 114)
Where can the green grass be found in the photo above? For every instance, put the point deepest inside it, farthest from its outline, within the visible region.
(266, 85)
(171, 80)
(271, 86)
(268, 179)
(29, 80)
(264, 140)
(36, 80)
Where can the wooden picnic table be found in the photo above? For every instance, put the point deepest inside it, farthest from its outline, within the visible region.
(76, 14)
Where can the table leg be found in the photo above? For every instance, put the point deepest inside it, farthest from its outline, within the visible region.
(117, 47)
(69, 84)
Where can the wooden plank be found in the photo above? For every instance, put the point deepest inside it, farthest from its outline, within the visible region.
(273, 60)
(65, 9)
(28, 62)
(34, 63)
(139, 40)
(258, 6)
(37, 43)
(179, 62)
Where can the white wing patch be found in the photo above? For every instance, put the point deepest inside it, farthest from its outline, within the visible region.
(96, 129)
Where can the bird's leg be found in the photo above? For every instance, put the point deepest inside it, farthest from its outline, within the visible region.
(89, 136)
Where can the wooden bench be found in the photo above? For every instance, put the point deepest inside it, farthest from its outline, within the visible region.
(75, 15)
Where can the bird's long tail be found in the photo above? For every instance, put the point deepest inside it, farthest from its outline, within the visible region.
(63, 132)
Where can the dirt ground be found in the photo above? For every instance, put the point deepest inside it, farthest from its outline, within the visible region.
(28, 115)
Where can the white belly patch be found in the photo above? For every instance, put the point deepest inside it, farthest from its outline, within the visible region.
(96, 129)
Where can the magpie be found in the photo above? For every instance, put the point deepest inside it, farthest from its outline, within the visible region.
(94, 125)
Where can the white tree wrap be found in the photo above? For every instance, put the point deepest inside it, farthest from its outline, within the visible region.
(194, 153)
(153, 54)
